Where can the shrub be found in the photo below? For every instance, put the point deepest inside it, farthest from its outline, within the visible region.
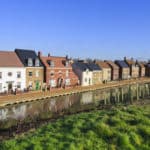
(103, 130)
(113, 121)
(144, 131)
(124, 142)
(72, 146)
(135, 139)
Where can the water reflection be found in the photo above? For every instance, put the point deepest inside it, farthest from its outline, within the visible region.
(86, 98)
(48, 107)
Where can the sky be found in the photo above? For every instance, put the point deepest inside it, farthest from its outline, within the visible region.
(104, 29)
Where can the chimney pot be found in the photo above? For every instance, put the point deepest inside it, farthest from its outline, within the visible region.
(39, 53)
(67, 57)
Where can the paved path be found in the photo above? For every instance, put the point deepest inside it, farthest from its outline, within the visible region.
(30, 96)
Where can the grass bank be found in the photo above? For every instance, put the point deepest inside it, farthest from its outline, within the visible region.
(123, 128)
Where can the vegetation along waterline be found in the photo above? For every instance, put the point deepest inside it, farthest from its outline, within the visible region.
(122, 128)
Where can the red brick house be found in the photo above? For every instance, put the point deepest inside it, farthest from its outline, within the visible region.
(58, 71)
(147, 71)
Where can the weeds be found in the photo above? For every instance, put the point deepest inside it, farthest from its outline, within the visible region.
(124, 128)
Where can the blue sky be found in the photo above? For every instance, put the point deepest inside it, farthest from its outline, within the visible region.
(105, 29)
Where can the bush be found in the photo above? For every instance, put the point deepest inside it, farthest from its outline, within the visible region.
(144, 131)
(103, 130)
(124, 142)
(135, 139)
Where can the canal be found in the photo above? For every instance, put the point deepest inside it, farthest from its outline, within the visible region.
(21, 117)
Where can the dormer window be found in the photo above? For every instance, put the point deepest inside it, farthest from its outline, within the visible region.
(30, 62)
(37, 62)
(66, 63)
(87, 71)
(51, 63)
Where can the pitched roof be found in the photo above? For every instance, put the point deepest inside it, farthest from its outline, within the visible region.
(9, 59)
(121, 63)
(93, 66)
(130, 62)
(112, 64)
(25, 54)
(141, 64)
(148, 65)
(81, 65)
(84, 66)
(102, 64)
(59, 62)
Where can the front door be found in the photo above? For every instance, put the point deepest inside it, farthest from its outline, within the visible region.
(9, 86)
(60, 82)
(37, 85)
(89, 81)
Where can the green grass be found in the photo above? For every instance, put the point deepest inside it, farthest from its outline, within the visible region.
(122, 128)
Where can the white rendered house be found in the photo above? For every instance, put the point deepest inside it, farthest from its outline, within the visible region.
(12, 72)
(87, 77)
(83, 72)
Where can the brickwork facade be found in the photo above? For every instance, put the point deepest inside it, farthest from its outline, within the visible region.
(58, 71)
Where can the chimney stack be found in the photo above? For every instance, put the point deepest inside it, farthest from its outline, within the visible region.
(67, 57)
(39, 53)
(49, 55)
(132, 58)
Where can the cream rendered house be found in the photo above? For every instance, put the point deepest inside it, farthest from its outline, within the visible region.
(106, 70)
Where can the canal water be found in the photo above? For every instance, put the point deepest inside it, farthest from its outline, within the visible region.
(14, 118)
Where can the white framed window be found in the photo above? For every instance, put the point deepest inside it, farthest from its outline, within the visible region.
(51, 63)
(30, 73)
(37, 62)
(9, 74)
(30, 62)
(67, 81)
(52, 83)
(67, 63)
(67, 73)
(37, 73)
(18, 74)
(0, 75)
(0, 86)
(18, 85)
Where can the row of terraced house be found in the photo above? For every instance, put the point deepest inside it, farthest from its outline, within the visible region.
(24, 70)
